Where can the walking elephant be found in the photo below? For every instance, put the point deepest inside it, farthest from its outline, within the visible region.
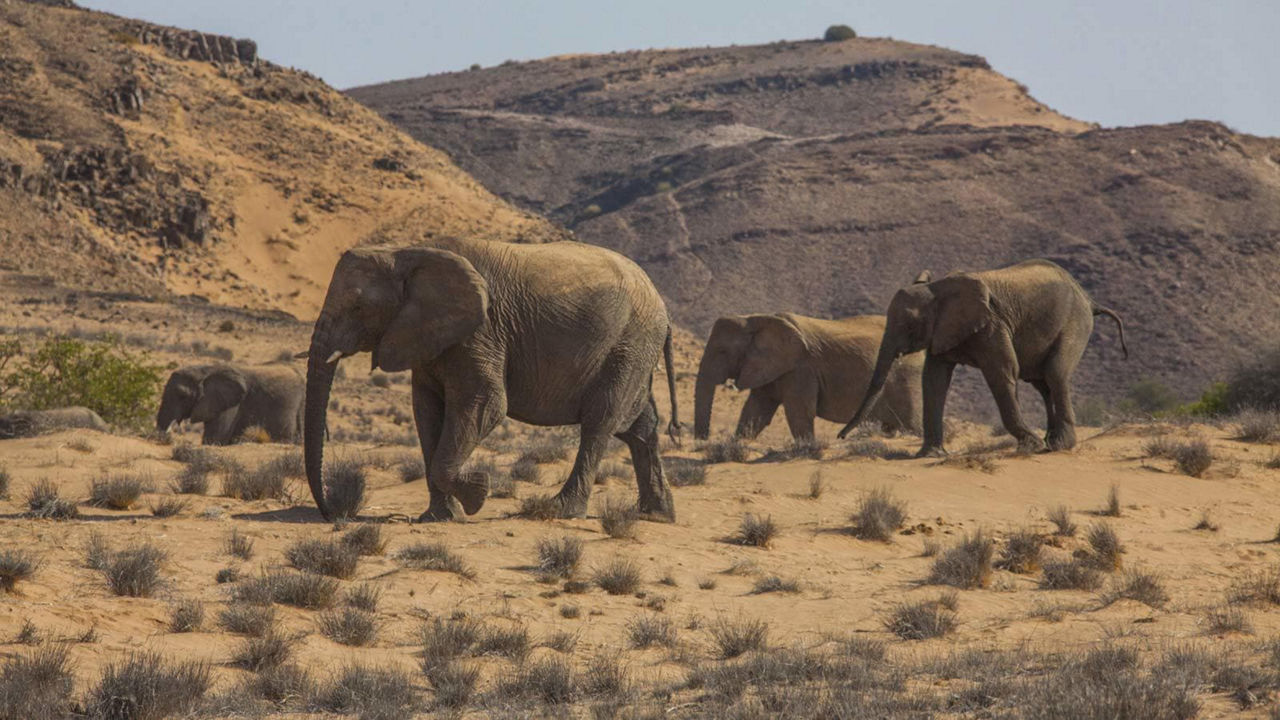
(556, 334)
(229, 399)
(28, 423)
(1029, 321)
(811, 367)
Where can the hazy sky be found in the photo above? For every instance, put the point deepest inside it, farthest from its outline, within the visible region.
(1116, 62)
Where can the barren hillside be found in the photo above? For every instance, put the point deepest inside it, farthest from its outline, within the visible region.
(155, 160)
(819, 177)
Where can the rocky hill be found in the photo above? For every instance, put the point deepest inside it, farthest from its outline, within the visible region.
(819, 177)
(161, 161)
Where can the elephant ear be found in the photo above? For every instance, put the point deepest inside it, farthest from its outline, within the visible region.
(444, 301)
(777, 346)
(961, 306)
(219, 391)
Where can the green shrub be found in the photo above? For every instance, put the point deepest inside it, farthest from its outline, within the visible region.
(837, 33)
(1151, 397)
(1256, 384)
(119, 385)
(1212, 402)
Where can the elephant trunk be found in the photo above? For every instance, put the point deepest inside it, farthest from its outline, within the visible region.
(884, 363)
(319, 383)
(709, 377)
(169, 412)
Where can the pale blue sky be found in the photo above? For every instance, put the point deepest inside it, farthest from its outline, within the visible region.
(1116, 62)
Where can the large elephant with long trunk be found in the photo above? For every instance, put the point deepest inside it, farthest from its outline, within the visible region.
(1029, 321)
(229, 399)
(555, 334)
(809, 366)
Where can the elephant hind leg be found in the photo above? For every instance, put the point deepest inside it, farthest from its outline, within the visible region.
(1062, 424)
(656, 501)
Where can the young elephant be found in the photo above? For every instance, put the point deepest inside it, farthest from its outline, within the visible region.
(557, 334)
(29, 423)
(1029, 321)
(811, 367)
(229, 399)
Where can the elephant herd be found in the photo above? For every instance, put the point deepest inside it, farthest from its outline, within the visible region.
(570, 334)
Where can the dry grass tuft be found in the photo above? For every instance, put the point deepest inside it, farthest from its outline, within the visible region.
(545, 451)
(1106, 547)
(117, 492)
(411, 469)
(1228, 619)
(187, 615)
(816, 485)
(774, 583)
(1073, 574)
(539, 507)
(649, 629)
(365, 539)
(44, 502)
(726, 450)
(756, 531)
(1060, 516)
(267, 482)
(247, 619)
(15, 567)
(433, 556)
(525, 470)
(965, 566)
(1260, 426)
(1259, 588)
(879, 515)
(1141, 585)
(349, 626)
(239, 545)
(147, 686)
(304, 590)
(37, 684)
(135, 572)
(168, 507)
(263, 652)
(921, 620)
(618, 517)
(1194, 457)
(619, 576)
(1112, 508)
(344, 488)
(324, 557)
(735, 637)
(1021, 552)
(559, 557)
(372, 693)
(688, 474)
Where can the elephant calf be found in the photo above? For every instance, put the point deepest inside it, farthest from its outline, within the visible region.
(811, 367)
(229, 399)
(34, 422)
(1029, 321)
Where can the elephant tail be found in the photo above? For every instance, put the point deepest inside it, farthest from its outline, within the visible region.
(674, 427)
(1100, 310)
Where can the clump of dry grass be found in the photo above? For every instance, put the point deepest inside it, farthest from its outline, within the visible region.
(247, 619)
(611, 469)
(525, 470)
(539, 507)
(372, 693)
(619, 576)
(735, 637)
(365, 539)
(1021, 552)
(1228, 619)
(411, 468)
(299, 589)
(1112, 508)
(879, 515)
(756, 531)
(267, 482)
(433, 556)
(725, 450)
(349, 626)
(545, 451)
(816, 485)
(16, 566)
(263, 652)
(650, 629)
(168, 507)
(147, 686)
(509, 641)
(363, 597)
(344, 488)
(187, 615)
(921, 620)
(618, 517)
(1194, 457)
(1106, 547)
(37, 684)
(1206, 522)
(135, 572)
(965, 566)
(1072, 574)
(324, 557)
(1060, 516)
(1160, 446)
(44, 502)
(117, 492)
(688, 474)
(1261, 426)
(559, 557)
(239, 545)
(775, 583)
(1259, 588)
(1141, 585)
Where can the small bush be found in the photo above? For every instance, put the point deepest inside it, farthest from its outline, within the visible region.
(735, 637)
(1193, 457)
(373, 693)
(1070, 575)
(44, 502)
(433, 556)
(454, 683)
(1228, 619)
(192, 480)
(838, 33)
(525, 470)
(619, 577)
(239, 545)
(444, 640)
(146, 686)
(187, 616)
(1112, 508)
(1262, 588)
(344, 487)
(135, 572)
(570, 612)
(501, 486)
(688, 475)
(773, 583)
(549, 680)
(281, 684)
(267, 482)
(168, 507)
(545, 451)
(606, 677)
(363, 597)
(539, 507)
(756, 531)
(1206, 522)
(1060, 516)
(324, 557)
(618, 517)
(921, 620)
(16, 566)
(649, 629)
(1261, 426)
(28, 634)
(965, 566)
(1142, 586)
(247, 619)
(37, 684)
(509, 642)
(879, 515)
(1151, 397)
(365, 539)
(262, 652)
(304, 590)
(349, 626)
(1160, 446)
(1256, 384)
(227, 575)
(559, 557)
(1106, 547)
(118, 492)
(1021, 552)
(727, 450)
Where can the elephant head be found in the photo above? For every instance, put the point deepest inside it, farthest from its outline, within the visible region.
(200, 394)
(751, 350)
(927, 315)
(406, 306)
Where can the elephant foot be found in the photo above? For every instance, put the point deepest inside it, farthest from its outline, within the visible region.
(441, 513)
(471, 491)
(932, 451)
(1030, 444)
(659, 511)
(571, 506)
(1060, 440)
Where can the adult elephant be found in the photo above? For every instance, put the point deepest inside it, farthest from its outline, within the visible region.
(229, 399)
(28, 423)
(555, 334)
(1030, 321)
(809, 366)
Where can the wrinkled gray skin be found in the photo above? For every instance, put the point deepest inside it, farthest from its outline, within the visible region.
(811, 367)
(29, 423)
(1029, 321)
(555, 334)
(229, 399)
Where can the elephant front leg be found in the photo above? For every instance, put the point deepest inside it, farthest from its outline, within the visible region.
(800, 404)
(466, 423)
(576, 492)
(1002, 378)
(656, 502)
(428, 417)
(936, 381)
(756, 413)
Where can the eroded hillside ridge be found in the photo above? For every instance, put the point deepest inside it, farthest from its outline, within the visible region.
(820, 177)
(160, 160)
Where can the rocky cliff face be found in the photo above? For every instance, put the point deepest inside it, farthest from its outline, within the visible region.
(819, 177)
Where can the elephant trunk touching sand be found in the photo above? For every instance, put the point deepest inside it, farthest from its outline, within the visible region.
(230, 399)
(29, 423)
(555, 334)
(1029, 321)
(811, 367)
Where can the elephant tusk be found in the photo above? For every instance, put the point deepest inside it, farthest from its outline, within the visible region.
(335, 357)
